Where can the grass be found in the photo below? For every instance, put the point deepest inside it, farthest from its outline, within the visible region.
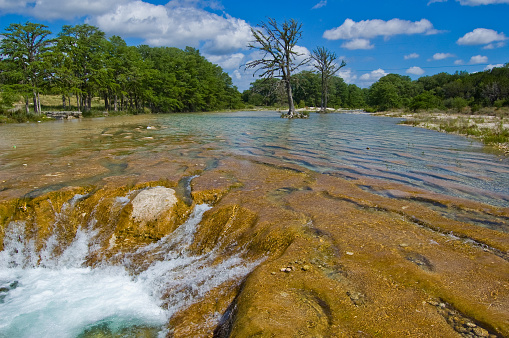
(489, 125)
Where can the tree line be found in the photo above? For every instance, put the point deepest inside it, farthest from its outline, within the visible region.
(280, 85)
(489, 88)
(81, 63)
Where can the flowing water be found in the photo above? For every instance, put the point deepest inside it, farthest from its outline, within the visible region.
(47, 294)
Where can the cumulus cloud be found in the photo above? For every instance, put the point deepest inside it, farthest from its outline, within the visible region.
(360, 32)
(411, 56)
(172, 25)
(477, 59)
(482, 36)
(370, 78)
(368, 29)
(433, 1)
(459, 62)
(442, 56)
(347, 74)
(358, 44)
(57, 9)
(415, 71)
(227, 61)
(321, 4)
(490, 66)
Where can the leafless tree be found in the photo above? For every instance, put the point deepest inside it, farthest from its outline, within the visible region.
(280, 58)
(327, 67)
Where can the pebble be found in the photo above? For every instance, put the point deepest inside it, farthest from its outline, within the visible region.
(349, 253)
(306, 267)
(272, 273)
(480, 332)
(403, 245)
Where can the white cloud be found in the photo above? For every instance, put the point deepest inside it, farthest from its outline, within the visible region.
(411, 56)
(490, 66)
(442, 56)
(474, 2)
(459, 62)
(237, 75)
(347, 75)
(495, 45)
(474, 60)
(227, 61)
(415, 71)
(358, 44)
(482, 2)
(171, 25)
(321, 4)
(370, 78)
(368, 29)
(57, 9)
(481, 36)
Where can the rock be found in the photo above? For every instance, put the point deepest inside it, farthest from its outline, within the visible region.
(349, 253)
(152, 202)
(480, 332)
(306, 267)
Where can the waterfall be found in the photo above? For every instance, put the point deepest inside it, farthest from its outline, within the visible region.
(48, 295)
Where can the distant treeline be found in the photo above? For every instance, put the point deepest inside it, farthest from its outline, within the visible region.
(489, 88)
(81, 63)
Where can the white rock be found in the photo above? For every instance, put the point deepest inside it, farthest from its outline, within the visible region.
(152, 202)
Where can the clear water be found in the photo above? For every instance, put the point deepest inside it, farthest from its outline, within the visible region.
(348, 145)
(43, 295)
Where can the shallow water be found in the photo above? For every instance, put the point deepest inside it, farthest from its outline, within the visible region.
(120, 293)
(352, 146)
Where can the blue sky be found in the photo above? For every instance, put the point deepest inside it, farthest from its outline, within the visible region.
(374, 37)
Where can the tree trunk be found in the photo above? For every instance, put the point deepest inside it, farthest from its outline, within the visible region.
(106, 102)
(291, 108)
(89, 102)
(39, 103)
(63, 101)
(78, 102)
(36, 105)
(116, 102)
(27, 107)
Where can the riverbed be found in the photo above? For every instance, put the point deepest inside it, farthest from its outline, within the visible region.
(335, 225)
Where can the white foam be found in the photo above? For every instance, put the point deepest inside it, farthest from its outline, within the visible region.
(58, 296)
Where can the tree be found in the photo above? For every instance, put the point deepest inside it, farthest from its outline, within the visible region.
(83, 46)
(25, 49)
(325, 65)
(280, 58)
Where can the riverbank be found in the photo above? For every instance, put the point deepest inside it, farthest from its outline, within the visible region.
(490, 126)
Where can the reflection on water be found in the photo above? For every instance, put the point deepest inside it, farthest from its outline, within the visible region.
(352, 146)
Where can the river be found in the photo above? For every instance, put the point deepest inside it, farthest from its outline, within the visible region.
(453, 176)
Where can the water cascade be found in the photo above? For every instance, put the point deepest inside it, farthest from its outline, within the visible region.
(56, 291)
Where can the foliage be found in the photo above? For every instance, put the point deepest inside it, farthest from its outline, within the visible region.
(82, 64)
(25, 50)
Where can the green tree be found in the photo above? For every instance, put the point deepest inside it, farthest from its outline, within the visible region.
(83, 46)
(326, 66)
(306, 87)
(280, 58)
(26, 49)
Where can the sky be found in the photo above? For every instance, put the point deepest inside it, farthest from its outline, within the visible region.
(374, 37)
